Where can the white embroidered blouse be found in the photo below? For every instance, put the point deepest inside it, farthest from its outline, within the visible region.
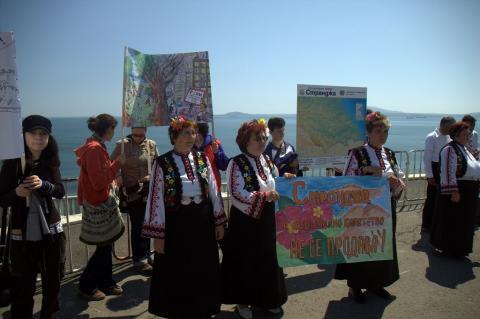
(448, 168)
(250, 203)
(154, 223)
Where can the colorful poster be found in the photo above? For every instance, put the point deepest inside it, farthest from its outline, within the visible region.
(159, 87)
(330, 121)
(10, 110)
(333, 220)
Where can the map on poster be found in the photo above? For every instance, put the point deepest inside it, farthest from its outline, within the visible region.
(330, 121)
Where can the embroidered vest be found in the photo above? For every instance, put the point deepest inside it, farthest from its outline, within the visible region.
(248, 173)
(361, 154)
(172, 182)
(461, 159)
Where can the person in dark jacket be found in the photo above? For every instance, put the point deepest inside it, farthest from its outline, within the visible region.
(38, 241)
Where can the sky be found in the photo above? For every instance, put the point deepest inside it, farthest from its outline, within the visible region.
(412, 55)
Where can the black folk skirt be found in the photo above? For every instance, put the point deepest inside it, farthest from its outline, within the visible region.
(372, 274)
(250, 271)
(186, 279)
(454, 223)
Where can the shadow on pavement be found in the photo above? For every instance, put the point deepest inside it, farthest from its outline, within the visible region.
(443, 270)
(347, 308)
(316, 280)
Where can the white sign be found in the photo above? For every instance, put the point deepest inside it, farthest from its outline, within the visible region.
(11, 140)
(195, 96)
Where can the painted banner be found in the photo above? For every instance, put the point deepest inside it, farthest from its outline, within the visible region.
(159, 87)
(330, 121)
(10, 110)
(333, 220)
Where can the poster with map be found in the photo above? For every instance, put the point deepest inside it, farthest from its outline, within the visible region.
(159, 87)
(330, 121)
(333, 220)
(10, 111)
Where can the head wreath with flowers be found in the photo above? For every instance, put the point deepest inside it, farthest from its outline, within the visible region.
(255, 126)
(177, 124)
(376, 119)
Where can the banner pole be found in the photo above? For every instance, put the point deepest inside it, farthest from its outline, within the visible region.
(123, 98)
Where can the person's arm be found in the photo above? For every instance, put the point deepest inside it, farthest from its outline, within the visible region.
(8, 185)
(448, 170)
(215, 197)
(250, 203)
(428, 156)
(154, 222)
(54, 187)
(101, 170)
(221, 159)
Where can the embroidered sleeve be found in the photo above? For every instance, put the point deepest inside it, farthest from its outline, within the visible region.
(448, 170)
(154, 223)
(216, 197)
(351, 168)
(428, 156)
(250, 203)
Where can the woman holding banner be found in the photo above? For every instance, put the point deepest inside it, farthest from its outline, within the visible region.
(38, 241)
(250, 272)
(102, 224)
(454, 222)
(185, 217)
(374, 159)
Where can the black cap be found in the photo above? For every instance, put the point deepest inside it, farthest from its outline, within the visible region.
(33, 122)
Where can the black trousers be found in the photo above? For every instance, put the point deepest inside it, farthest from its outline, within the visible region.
(140, 245)
(431, 200)
(29, 258)
(98, 274)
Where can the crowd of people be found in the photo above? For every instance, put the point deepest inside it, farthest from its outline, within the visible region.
(174, 200)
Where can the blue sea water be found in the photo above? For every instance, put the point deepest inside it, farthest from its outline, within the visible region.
(407, 133)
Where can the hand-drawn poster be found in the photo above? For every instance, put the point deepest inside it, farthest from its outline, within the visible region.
(330, 121)
(159, 87)
(10, 111)
(333, 220)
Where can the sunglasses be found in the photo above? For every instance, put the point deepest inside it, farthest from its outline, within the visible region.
(138, 135)
(261, 138)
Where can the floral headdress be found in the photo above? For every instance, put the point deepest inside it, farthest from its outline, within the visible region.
(374, 116)
(375, 119)
(260, 122)
(177, 123)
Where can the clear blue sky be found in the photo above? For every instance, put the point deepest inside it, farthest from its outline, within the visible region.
(413, 55)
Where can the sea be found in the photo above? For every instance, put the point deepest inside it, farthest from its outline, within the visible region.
(408, 132)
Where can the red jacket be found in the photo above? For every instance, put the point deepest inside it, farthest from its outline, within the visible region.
(97, 172)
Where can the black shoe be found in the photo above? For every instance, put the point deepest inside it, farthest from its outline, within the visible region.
(382, 293)
(357, 295)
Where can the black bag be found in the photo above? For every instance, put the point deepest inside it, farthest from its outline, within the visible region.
(6, 278)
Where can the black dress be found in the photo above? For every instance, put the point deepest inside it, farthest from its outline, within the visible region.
(453, 224)
(250, 271)
(372, 274)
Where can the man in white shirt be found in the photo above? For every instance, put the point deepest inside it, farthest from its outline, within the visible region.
(473, 141)
(433, 144)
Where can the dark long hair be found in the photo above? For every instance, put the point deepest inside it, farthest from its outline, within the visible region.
(49, 157)
(101, 123)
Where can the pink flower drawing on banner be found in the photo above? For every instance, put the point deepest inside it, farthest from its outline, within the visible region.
(291, 223)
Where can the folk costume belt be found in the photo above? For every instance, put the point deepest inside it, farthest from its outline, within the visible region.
(188, 200)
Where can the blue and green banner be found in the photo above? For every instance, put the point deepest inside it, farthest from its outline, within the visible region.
(333, 220)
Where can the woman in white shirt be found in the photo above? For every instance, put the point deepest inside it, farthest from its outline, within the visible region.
(185, 217)
(250, 272)
(454, 221)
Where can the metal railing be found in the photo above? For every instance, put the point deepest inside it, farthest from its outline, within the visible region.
(410, 162)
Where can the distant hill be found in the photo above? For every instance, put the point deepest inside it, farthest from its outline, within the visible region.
(374, 108)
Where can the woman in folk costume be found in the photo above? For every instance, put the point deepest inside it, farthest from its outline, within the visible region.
(250, 272)
(374, 159)
(185, 217)
(454, 222)
(38, 241)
